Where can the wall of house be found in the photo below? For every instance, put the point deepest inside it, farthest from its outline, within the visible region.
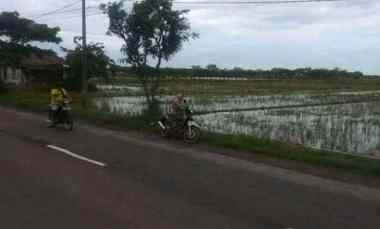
(12, 75)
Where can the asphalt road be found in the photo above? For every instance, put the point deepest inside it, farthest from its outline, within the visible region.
(150, 183)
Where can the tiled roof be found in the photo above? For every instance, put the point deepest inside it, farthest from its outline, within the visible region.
(44, 60)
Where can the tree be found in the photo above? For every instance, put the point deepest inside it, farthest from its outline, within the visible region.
(16, 33)
(237, 69)
(98, 63)
(22, 30)
(212, 68)
(152, 32)
(196, 71)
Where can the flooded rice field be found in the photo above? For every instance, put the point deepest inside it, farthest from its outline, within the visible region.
(119, 88)
(352, 127)
(136, 104)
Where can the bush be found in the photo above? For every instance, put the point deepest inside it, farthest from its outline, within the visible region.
(75, 84)
(3, 87)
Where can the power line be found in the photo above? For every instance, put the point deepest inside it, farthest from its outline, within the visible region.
(62, 11)
(59, 9)
(253, 2)
(77, 16)
(68, 11)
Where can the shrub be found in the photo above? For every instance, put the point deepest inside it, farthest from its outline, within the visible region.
(75, 84)
(3, 87)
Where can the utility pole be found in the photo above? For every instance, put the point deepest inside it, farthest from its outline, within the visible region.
(84, 57)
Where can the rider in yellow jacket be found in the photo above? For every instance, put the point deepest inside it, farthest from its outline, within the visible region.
(58, 95)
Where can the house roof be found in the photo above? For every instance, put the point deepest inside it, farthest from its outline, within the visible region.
(27, 55)
(42, 61)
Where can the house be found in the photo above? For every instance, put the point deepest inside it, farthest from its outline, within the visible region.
(35, 68)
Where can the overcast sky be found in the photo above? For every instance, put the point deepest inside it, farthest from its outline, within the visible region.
(342, 34)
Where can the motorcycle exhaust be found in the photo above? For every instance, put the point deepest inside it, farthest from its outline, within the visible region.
(161, 125)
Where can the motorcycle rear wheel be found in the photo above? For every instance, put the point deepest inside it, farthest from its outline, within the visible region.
(68, 123)
(164, 133)
(69, 126)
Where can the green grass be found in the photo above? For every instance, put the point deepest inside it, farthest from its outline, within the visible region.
(31, 101)
(37, 100)
(319, 158)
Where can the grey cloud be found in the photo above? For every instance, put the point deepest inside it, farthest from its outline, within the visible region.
(342, 34)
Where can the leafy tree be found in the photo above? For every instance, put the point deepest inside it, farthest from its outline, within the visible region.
(212, 68)
(17, 32)
(238, 69)
(357, 75)
(152, 32)
(21, 30)
(196, 67)
(196, 71)
(98, 63)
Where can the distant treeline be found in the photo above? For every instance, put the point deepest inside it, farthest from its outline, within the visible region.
(212, 72)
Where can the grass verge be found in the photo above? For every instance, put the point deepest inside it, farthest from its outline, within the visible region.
(280, 150)
(37, 100)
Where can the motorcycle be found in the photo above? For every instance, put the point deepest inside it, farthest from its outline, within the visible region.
(62, 116)
(187, 128)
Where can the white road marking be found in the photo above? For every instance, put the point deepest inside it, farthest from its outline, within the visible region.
(76, 155)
